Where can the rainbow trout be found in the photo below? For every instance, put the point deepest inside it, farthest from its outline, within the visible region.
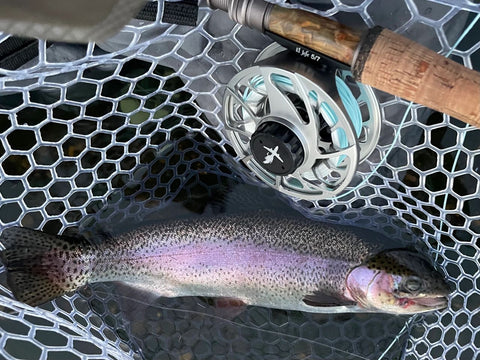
(261, 258)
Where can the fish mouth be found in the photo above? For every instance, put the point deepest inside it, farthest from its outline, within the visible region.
(427, 303)
(433, 301)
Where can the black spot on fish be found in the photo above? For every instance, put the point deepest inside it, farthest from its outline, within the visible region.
(389, 263)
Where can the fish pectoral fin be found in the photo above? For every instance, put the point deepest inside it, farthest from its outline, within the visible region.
(319, 299)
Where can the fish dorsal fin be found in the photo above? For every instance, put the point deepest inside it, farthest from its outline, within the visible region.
(230, 198)
(318, 299)
(243, 198)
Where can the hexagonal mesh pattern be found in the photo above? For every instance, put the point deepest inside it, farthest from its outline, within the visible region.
(103, 134)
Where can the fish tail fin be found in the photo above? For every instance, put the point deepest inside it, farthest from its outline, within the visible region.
(41, 267)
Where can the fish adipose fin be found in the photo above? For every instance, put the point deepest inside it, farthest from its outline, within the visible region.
(41, 267)
(318, 299)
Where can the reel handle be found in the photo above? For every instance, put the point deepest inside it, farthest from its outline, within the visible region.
(386, 61)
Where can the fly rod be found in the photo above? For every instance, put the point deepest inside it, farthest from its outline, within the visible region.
(378, 57)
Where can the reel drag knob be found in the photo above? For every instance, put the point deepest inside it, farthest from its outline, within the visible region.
(276, 148)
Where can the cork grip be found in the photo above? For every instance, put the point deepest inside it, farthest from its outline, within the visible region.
(399, 66)
(315, 32)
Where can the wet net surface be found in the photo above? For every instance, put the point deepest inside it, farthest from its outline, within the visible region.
(104, 134)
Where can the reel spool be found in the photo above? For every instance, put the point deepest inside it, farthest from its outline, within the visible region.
(300, 129)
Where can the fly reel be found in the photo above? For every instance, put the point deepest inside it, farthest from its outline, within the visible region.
(300, 129)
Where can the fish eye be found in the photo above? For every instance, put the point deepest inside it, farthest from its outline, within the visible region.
(413, 283)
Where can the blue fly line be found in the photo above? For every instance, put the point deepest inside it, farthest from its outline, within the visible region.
(350, 103)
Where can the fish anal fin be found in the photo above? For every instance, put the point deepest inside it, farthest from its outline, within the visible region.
(319, 299)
